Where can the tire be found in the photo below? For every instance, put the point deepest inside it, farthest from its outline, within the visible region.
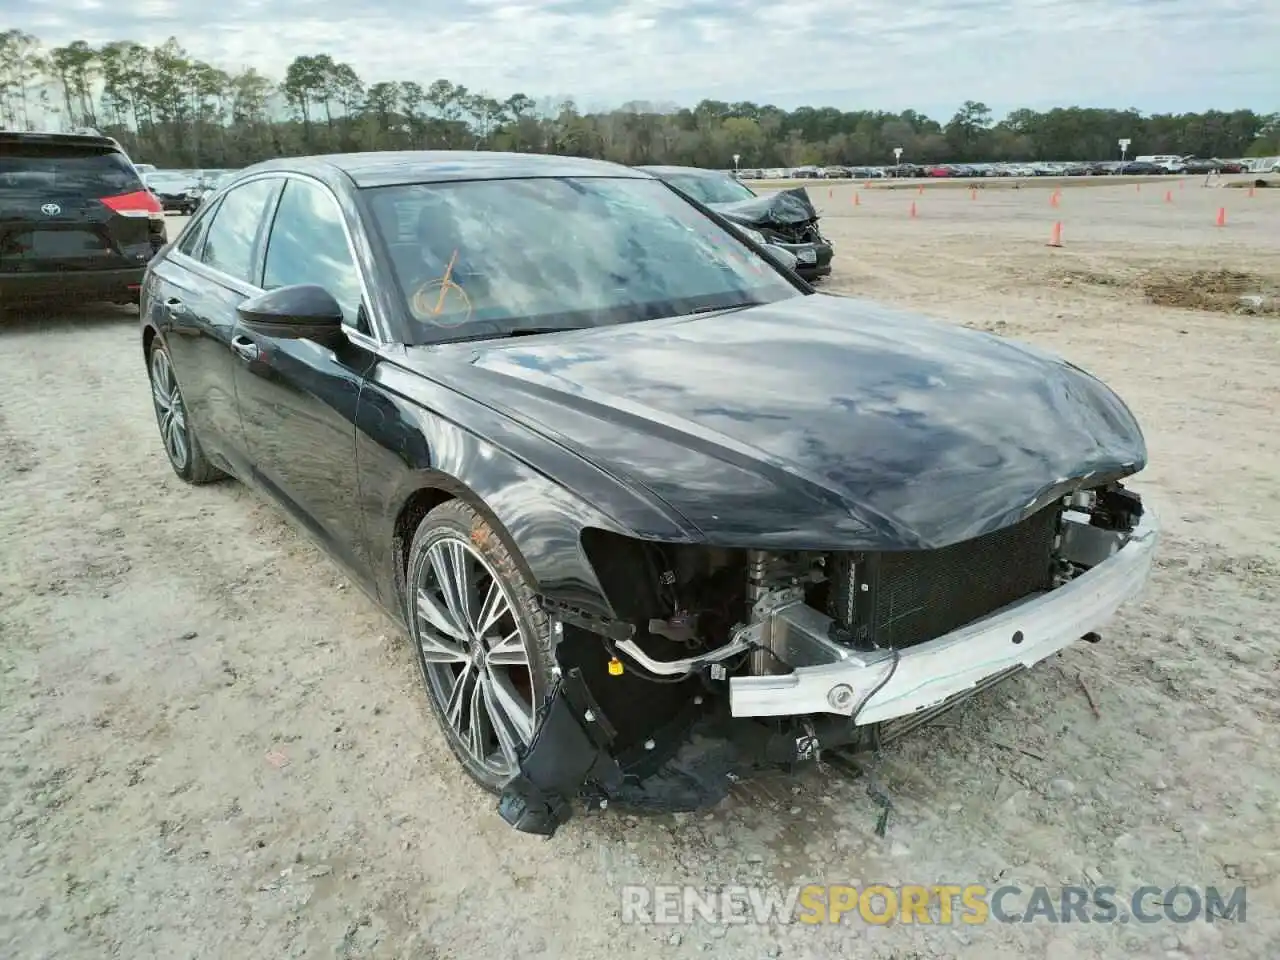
(474, 679)
(177, 434)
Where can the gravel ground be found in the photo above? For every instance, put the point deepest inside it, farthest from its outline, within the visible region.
(212, 746)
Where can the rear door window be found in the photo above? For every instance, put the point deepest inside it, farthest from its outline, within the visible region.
(231, 240)
(194, 238)
(64, 171)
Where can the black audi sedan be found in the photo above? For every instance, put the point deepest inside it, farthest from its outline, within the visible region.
(655, 513)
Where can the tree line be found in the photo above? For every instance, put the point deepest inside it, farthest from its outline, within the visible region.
(174, 110)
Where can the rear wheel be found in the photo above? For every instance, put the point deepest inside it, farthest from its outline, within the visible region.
(186, 456)
(482, 641)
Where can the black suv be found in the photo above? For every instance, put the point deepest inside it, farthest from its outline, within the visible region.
(76, 222)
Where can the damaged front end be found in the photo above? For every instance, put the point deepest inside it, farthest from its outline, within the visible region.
(787, 219)
(721, 663)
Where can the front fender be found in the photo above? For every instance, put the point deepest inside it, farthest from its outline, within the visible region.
(410, 438)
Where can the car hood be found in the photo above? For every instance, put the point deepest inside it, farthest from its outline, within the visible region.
(818, 422)
(786, 208)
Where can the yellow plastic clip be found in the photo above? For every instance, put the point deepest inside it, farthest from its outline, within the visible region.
(615, 667)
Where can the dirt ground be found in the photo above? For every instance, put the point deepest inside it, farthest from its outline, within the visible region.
(212, 746)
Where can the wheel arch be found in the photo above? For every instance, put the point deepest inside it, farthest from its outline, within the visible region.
(433, 491)
(149, 334)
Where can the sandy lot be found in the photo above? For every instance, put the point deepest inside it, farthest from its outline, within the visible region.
(214, 747)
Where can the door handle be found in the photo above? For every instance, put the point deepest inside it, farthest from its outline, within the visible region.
(247, 349)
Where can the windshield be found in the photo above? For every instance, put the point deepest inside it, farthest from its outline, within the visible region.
(710, 188)
(493, 257)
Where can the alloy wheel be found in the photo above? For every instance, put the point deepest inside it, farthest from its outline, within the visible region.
(170, 412)
(474, 654)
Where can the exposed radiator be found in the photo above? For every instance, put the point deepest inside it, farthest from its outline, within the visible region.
(901, 599)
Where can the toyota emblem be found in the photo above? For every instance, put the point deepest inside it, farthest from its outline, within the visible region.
(51, 209)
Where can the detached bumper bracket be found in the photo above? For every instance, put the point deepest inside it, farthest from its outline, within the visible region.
(568, 757)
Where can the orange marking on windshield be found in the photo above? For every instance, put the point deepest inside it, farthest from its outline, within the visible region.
(445, 283)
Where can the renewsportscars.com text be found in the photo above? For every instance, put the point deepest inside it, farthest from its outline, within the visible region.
(943, 903)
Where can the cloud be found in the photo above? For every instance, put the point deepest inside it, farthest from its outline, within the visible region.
(1156, 55)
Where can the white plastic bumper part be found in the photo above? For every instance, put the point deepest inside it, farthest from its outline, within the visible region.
(1022, 634)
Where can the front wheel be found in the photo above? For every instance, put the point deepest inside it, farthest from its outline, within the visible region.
(483, 643)
(186, 456)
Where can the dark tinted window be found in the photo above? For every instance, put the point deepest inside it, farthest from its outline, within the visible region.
(228, 245)
(61, 170)
(309, 245)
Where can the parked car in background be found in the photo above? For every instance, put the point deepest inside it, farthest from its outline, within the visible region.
(1209, 165)
(76, 222)
(905, 170)
(212, 181)
(786, 219)
(654, 513)
(1141, 167)
(177, 192)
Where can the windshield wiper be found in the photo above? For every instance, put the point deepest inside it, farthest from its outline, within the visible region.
(732, 306)
(517, 332)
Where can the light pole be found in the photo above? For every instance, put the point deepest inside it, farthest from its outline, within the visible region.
(897, 160)
(736, 158)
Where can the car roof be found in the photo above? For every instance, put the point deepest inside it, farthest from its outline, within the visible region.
(95, 141)
(658, 171)
(389, 168)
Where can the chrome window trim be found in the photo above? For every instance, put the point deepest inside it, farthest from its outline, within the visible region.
(355, 336)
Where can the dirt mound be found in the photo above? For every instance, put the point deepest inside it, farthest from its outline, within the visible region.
(1220, 291)
(1067, 278)
(1258, 183)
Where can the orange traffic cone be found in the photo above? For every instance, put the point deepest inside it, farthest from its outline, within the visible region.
(1055, 238)
(1222, 217)
(1250, 190)
(1053, 199)
(920, 190)
(857, 199)
(1168, 196)
(913, 209)
(973, 193)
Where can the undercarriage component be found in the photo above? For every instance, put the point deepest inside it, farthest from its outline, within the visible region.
(741, 643)
(891, 730)
(694, 767)
(567, 757)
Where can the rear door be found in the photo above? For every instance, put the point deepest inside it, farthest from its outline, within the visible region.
(192, 297)
(68, 206)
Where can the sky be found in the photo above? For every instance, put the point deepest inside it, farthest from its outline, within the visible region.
(928, 55)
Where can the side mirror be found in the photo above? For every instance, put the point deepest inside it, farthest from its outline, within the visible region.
(783, 258)
(301, 312)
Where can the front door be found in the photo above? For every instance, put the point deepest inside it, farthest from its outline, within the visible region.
(298, 398)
